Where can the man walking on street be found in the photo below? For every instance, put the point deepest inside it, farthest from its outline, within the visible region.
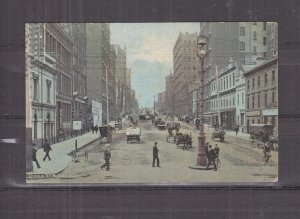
(47, 149)
(34, 150)
(107, 156)
(237, 130)
(96, 129)
(155, 155)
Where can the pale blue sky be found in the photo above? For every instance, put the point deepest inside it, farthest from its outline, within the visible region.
(149, 53)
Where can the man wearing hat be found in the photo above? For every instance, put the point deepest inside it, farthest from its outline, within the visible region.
(47, 149)
(34, 150)
(155, 155)
(107, 156)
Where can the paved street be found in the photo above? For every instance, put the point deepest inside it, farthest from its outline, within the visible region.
(132, 163)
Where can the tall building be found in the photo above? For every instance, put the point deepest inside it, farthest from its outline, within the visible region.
(77, 32)
(99, 64)
(120, 79)
(186, 71)
(169, 103)
(128, 97)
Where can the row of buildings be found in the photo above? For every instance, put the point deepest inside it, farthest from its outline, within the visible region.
(241, 75)
(74, 74)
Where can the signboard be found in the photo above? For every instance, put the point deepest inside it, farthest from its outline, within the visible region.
(76, 125)
(270, 112)
(253, 113)
(97, 113)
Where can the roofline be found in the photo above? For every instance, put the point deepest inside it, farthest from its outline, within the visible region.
(259, 67)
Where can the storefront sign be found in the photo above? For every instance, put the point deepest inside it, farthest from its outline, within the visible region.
(270, 112)
(253, 113)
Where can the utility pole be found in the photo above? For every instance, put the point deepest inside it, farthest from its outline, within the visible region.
(218, 98)
(107, 112)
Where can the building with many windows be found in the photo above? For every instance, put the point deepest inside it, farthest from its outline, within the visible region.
(262, 94)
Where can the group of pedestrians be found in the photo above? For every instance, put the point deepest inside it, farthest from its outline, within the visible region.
(94, 129)
(212, 154)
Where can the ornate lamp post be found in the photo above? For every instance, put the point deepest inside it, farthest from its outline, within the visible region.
(202, 53)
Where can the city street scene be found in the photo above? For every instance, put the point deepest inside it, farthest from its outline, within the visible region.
(151, 103)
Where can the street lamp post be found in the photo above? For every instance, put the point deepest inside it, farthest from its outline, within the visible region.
(202, 52)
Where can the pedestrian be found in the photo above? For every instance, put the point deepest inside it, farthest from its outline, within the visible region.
(34, 150)
(211, 158)
(217, 150)
(237, 130)
(155, 155)
(206, 149)
(93, 129)
(107, 156)
(47, 149)
(96, 129)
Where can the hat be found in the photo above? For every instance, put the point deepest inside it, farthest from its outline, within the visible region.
(155, 143)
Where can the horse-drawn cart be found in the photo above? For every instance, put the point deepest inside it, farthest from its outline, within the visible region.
(260, 134)
(133, 134)
(106, 132)
(218, 133)
(172, 129)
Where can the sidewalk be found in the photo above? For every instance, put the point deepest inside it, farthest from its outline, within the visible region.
(59, 154)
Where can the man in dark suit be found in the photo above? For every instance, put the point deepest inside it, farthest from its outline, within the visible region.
(47, 149)
(34, 150)
(155, 155)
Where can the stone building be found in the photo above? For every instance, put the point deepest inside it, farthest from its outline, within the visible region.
(169, 103)
(99, 64)
(42, 69)
(186, 69)
(262, 94)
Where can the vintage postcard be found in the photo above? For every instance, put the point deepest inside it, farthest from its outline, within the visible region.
(152, 103)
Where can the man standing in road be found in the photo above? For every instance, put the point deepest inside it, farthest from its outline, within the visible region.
(155, 155)
(237, 130)
(47, 149)
(34, 150)
(107, 156)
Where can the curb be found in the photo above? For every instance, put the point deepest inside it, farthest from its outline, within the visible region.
(83, 146)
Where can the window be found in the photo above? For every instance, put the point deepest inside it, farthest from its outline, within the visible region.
(233, 101)
(242, 98)
(253, 97)
(265, 54)
(273, 76)
(35, 127)
(258, 101)
(242, 61)
(266, 79)
(35, 88)
(254, 23)
(242, 118)
(266, 100)
(226, 82)
(273, 97)
(265, 25)
(248, 103)
(253, 83)
(248, 84)
(254, 35)
(242, 46)
(48, 83)
(233, 79)
(238, 99)
(242, 31)
(254, 50)
(258, 81)
(258, 121)
(265, 41)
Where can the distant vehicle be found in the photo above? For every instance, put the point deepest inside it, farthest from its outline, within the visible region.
(160, 123)
(106, 132)
(218, 133)
(184, 140)
(171, 128)
(133, 134)
(186, 118)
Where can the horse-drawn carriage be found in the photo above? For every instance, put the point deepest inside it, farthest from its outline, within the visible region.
(218, 133)
(260, 134)
(106, 132)
(172, 129)
(184, 141)
(133, 134)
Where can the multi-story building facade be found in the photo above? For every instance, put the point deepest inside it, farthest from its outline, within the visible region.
(100, 68)
(128, 97)
(169, 103)
(262, 94)
(43, 70)
(161, 99)
(240, 100)
(120, 79)
(223, 97)
(186, 69)
(77, 32)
